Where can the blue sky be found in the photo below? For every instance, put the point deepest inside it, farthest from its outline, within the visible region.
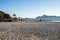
(30, 8)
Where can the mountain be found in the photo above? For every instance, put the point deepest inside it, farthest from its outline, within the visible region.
(46, 17)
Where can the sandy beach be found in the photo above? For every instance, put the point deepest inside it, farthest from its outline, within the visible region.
(29, 30)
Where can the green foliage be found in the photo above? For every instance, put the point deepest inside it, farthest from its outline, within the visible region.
(3, 15)
(6, 16)
(14, 15)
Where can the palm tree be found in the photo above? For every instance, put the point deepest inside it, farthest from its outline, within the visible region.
(14, 15)
(19, 18)
(15, 18)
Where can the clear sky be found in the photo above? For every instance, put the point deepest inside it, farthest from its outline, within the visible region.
(30, 8)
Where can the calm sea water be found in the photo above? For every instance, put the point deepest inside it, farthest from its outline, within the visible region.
(54, 21)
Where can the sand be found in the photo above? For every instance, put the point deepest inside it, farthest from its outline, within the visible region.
(29, 30)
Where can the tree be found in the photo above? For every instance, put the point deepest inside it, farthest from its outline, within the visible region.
(3, 15)
(7, 16)
(15, 18)
(14, 15)
(19, 18)
(22, 19)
